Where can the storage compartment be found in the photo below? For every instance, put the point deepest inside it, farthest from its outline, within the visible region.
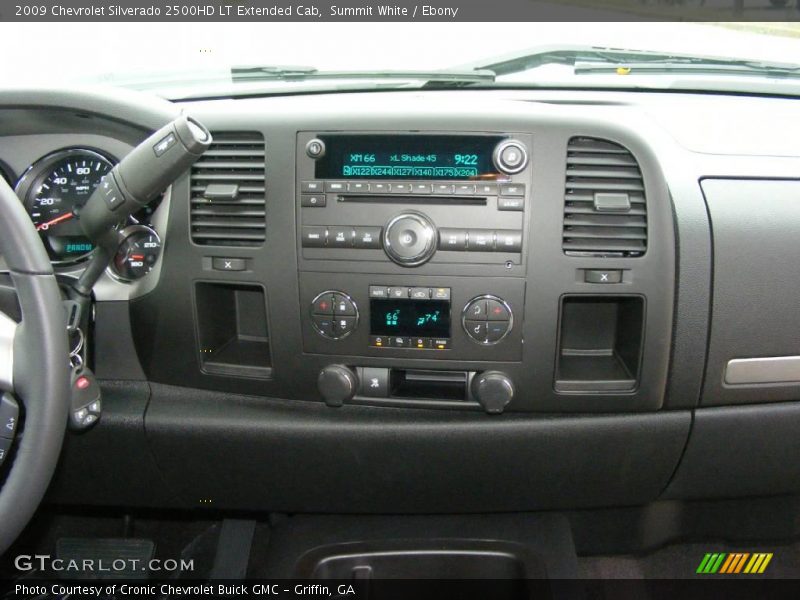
(232, 329)
(600, 343)
(416, 384)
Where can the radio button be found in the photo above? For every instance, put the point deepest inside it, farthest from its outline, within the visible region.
(357, 186)
(511, 204)
(398, 292)
(465, 189)
(481, 240)
(343, 306)
(323, 305)
(441, 293)
(312, 200)
(512, 189)
(368, 237)
(508, 240)
(476, 310)
(420, 293)
(497, 311)
(443, 188)
(476, 330)
(335, 186)
(311, 186)
(453, 239)
(314, 236)
(379, 187)
(378, 291)
(409, 239)
(340, 237)
(510, 156)
(486, 189)
(421, 188)
(401, 188)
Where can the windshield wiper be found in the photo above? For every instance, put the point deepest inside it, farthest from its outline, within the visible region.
(258, 73)
(594, 59)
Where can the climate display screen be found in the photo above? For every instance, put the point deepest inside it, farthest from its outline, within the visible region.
(412, 318)
(408, 157)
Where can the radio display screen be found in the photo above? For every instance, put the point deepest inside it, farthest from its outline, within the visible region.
(409, 318)
(408, 157)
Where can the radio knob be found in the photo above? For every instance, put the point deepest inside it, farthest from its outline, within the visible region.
(337, 384)
(494, 390)
(510, 157)
(409, 239)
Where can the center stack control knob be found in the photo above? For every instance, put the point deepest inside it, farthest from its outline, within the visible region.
(409, 239)
(494, 390)
(337, 384)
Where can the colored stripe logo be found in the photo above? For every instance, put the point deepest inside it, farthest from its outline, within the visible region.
(734, 563)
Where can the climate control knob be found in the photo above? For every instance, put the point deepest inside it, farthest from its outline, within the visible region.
(494, 390)
(409, 239)
(337, 384)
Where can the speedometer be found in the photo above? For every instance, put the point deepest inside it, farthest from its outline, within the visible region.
(54, 190)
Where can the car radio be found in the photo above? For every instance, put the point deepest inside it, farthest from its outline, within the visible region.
(411, 198)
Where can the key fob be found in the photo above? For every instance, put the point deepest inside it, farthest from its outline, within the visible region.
(86, 402)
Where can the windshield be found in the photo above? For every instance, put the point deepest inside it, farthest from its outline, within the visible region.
(212, 59)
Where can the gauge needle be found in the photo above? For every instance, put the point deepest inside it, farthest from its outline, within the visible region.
(46, 226)
(137, 256)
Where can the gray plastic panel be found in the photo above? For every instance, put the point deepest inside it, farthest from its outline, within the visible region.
(741, 451)
(755, 312)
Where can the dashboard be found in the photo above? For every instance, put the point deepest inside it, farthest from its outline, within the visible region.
(567, 284)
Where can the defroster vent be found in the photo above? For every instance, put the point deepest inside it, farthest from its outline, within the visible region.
(228, 191)
(605, 209)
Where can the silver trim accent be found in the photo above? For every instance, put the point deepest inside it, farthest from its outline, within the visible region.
(312, 313)
(8, 330)
(487, 297)
(773, 369)
(430, 243)
(501, 166)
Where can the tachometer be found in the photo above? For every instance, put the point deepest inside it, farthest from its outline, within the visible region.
(54, 189)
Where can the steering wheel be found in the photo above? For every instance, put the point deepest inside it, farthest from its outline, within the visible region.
(33, 367)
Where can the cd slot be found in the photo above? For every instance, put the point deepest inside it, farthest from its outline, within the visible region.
(426, 200)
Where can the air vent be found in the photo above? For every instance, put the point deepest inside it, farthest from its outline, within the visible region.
(605, 213)
(228, 191)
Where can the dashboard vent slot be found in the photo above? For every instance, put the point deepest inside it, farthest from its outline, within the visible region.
(228, 191)
(605, 212)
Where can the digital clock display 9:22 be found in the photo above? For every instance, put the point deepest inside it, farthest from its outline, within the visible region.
(411, 318)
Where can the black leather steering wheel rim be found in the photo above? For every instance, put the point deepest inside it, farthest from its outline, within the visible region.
(40, 369)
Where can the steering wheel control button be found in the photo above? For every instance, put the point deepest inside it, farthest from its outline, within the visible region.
(374, 382)
(315, 148)
(334, 314)
(410, 239)
(453, 239)
(487, 319)
(510, 157)
(9, 415)
(5, 446)
(602, 276)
